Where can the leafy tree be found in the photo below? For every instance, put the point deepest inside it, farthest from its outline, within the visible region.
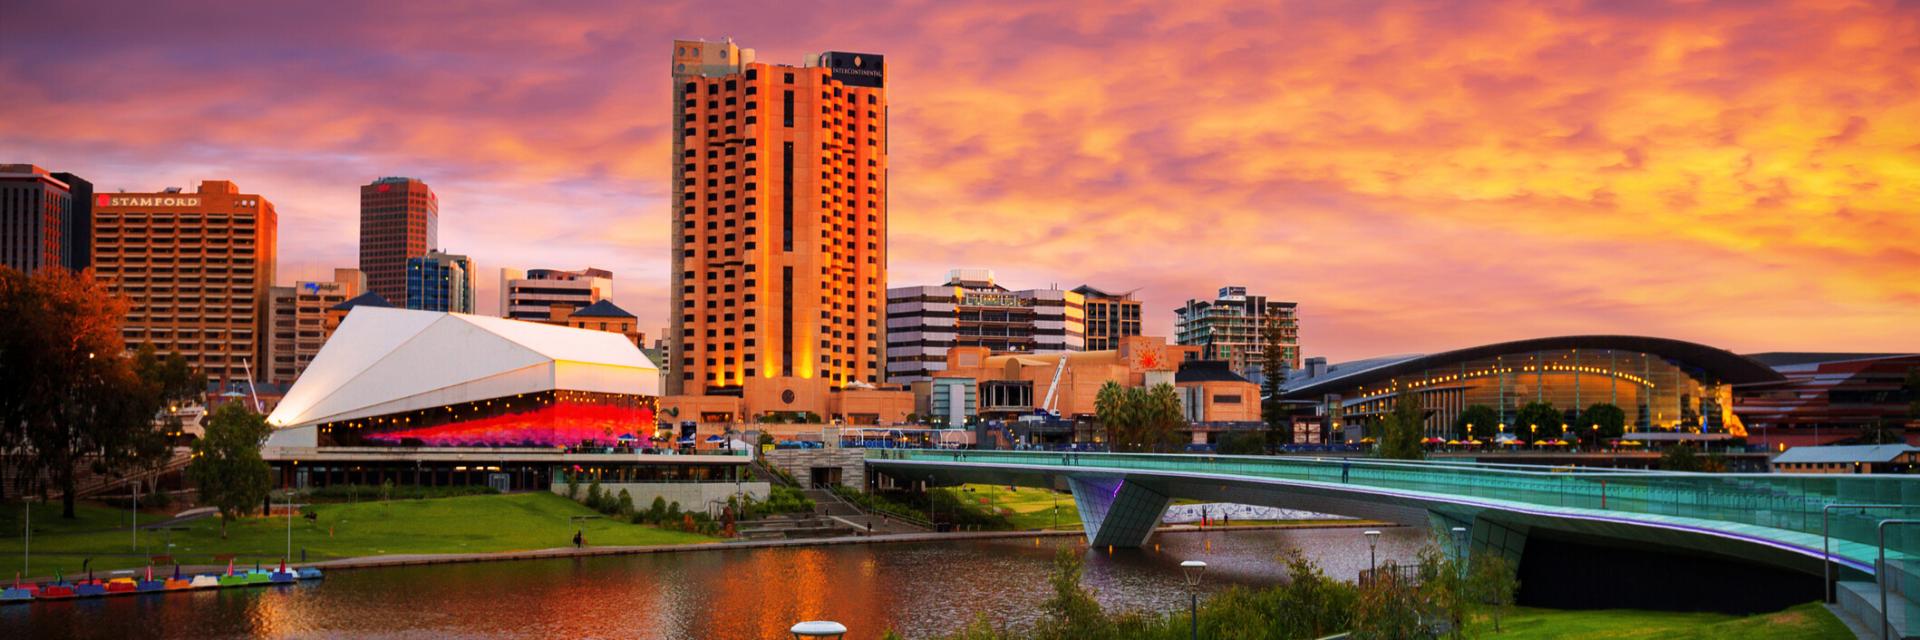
(1273, 372)
(1140, 419)
(1492, 583)
(1681, 457)
(226, 467)
(67, 396)
(1612, 420)
(1163, 418)
(1540, 414)
(624, 506)
(1401, 429)
(1111, 408)
(1389, 608)
(1243, 443)
(1071, 612)
(1913, 392)
(1485, 421)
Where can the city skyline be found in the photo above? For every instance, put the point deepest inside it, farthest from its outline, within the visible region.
(1418, 179)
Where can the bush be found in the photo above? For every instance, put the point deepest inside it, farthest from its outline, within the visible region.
(673, 512)
(625, 505)
(594, 496)
(573, 486)
(657, 513)
(779, 500)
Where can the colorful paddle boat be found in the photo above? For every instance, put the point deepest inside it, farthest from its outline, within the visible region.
(204, 581)
(18, 592)
(176, 583)
(150, 585)
(309, 573)
(120, 586)
(283, 576)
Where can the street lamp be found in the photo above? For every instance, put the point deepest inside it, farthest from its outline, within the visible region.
(1460, 533)
(1193, 569)
(1536, 434)
(818, 629)
(1373, 539)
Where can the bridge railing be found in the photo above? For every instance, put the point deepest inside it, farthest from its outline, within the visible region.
(1790, 502)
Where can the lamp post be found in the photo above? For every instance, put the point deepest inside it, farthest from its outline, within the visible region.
(1373, 539)
(818, 629)
(1193, 569)
(1535, 429)
(1460, 556)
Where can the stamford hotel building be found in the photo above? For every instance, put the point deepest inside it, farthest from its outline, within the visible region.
(779, 236)
(195, 269)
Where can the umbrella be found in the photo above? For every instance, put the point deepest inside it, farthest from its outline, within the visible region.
(1453, 442)
(626, 436)
(715, 438)
(1366, 440)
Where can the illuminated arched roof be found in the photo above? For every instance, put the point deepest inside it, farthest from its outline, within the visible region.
(1709, 362)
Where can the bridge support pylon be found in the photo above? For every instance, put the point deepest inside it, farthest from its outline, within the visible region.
(1117, 512)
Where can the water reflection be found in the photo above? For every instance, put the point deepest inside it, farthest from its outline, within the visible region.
(919, 589)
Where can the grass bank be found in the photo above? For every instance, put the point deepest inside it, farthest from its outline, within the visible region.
(1809, 621)
(467, 524)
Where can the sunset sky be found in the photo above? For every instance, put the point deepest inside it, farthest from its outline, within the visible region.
(1419, 176)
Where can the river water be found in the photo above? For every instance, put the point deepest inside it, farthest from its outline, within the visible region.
(919, 589)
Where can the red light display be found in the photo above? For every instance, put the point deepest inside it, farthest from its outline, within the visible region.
(558, 424)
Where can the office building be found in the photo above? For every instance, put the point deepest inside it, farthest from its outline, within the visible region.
(399, 219)
(971, 310)
(550, 295)
(1229, 328)
(1110, 317)
(298, 323)
(440, 282)
(779, 241)
(45, 218)
(195, 269)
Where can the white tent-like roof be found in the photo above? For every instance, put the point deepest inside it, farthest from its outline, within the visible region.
(385, 360)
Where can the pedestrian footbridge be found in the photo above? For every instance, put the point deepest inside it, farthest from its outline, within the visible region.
(1787, 521)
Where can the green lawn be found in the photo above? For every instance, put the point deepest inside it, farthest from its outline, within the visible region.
(1027, 508)
(1807, 621)
(443, 525)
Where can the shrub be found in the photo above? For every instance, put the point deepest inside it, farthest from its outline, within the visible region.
(348, 492)
(573, 486)
(657, 512)
(594, 496)
(625, 506)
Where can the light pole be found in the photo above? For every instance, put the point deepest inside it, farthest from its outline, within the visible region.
(1536, 434)
(1460, 556)
(818, 629)
(1193, 569)
(1373, 538)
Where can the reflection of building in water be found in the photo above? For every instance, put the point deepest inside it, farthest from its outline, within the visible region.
(1661, 384)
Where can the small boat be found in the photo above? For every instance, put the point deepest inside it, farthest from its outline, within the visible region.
(90, 589)
(258, 576)
(15, 594)
(283, 576)
(119, 586)
(149, 584)
(176, 583)
(58, 591)
(309, 573)
(233, 580)
(204, 581)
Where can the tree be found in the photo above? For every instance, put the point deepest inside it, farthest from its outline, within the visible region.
(1111, 408)
(1071, 612)
(1540, 414)
(1492, 583)
(68, 397)
(1140, 419)
(1883, 432)
(1913, 393)
(227, 467)
(1681, 457)
(1611, 419)
(1483, 419)
(1273, 372)
(1242, 443)
(1401, 429)
(1389, 608)
(1162, 417)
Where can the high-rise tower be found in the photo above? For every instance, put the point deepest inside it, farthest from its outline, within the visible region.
(779, 225)
(399, 219)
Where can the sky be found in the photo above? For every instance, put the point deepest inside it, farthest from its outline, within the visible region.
(1418, 176)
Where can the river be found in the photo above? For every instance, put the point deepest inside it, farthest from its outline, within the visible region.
(919, 589)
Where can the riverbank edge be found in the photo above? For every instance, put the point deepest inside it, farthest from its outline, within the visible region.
(405, 560)
(423, 559)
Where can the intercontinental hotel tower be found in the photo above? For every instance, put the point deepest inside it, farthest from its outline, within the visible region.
(779, 225)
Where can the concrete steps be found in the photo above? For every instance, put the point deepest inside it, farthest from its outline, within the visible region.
(1860, 601)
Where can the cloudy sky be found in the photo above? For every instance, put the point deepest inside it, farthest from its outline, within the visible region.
(1417, 175)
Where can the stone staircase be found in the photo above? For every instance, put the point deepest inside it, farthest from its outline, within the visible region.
(1859, 601)
(792, 527)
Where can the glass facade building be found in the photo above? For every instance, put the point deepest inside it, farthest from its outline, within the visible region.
(1661, 385)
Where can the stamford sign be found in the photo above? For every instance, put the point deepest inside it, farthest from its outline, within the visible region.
(149, 201)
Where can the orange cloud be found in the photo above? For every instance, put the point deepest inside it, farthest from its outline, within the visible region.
(1418, 175)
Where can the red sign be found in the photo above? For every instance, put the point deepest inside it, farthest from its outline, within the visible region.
(100, 200)
(384, 188)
